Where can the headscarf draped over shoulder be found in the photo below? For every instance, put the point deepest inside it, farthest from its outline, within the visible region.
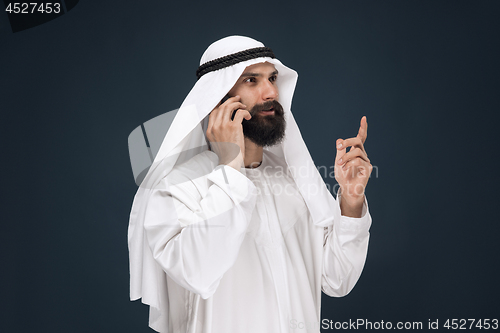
(220, 67)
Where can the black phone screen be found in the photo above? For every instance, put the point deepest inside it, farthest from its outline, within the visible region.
(225, 99)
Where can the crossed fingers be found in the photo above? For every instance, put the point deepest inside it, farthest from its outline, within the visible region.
(357, 150)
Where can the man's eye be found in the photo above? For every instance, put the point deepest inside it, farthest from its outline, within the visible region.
(250, 79)
(273, 78)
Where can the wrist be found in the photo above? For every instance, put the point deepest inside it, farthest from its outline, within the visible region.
(351, 206)
(236, 163)
(353, 201)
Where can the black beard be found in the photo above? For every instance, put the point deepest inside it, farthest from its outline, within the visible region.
(265, 130)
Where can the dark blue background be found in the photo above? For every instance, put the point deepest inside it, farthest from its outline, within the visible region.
(425, 73)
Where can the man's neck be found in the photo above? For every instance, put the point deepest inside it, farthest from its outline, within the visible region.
(253, 154)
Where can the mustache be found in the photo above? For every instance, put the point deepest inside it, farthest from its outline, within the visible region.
(274, 104)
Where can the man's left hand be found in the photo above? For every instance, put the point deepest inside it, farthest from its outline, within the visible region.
(352, 171)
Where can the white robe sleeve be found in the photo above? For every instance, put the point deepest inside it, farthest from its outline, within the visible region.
(195, 238)
(344, 252)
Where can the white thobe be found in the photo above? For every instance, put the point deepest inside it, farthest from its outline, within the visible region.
(244, 254)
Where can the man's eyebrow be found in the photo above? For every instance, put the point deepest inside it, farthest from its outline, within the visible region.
(258, 74)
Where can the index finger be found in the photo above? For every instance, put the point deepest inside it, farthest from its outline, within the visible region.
(363, 129)
(227, 100)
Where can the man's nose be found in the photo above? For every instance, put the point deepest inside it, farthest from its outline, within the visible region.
(269, 91)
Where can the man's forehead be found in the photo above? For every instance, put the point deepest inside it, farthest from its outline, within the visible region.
(260, 68)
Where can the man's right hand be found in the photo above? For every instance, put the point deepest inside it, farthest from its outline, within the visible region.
(226, 135)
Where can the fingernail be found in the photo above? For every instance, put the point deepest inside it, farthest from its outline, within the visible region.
(340, 161)
(339, 146)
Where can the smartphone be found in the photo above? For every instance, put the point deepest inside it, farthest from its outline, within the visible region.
(225, 99)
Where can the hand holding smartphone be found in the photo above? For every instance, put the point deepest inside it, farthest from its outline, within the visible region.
(226, 139)
(224, 99)
(222, 102)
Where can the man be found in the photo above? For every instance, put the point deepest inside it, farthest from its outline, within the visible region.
(243, 235)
